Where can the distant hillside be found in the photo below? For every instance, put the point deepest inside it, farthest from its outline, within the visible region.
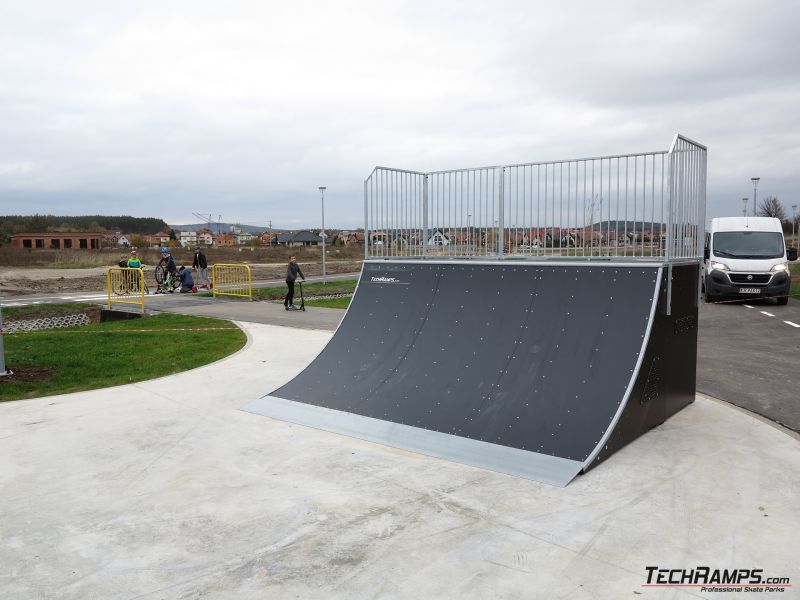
(12, 224)
(221, 227)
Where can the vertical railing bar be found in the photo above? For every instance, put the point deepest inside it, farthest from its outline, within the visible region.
(586, 225)
(644, 197)
(600, 222)
(501, 213)
(366, 216)
(424, 236)
(662, 222)
(635, 199)
(653, 207)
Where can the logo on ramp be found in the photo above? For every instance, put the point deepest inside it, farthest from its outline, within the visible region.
(393, 280)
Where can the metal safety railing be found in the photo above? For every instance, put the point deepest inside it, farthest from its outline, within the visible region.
(126, 286)
(232, 280)
(632, 206)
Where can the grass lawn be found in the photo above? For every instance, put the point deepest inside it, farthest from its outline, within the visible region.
(115, 353)
(330, 302)
(794, 267)
(344, 286)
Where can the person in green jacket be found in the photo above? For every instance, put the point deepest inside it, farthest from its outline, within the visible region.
(134, 262)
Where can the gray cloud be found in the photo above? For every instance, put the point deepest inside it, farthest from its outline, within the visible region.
(165, 108)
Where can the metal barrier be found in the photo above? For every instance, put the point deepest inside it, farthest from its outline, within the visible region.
(231, 280)
(126, 286)
(630, 207)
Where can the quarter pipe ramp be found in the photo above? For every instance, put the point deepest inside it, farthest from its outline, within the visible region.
(539, 370)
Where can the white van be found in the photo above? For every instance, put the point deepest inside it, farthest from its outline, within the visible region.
(746, 257)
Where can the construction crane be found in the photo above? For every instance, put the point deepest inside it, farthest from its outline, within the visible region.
(209, 221)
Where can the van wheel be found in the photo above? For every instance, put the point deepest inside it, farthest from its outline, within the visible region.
(782, 301)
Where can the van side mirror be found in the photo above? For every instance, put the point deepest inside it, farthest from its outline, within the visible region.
(706, 253)
(791, 253)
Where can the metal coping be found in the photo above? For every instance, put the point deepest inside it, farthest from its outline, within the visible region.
(544, 468)
(524, 262)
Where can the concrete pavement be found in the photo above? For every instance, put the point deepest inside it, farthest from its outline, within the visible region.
(165, 489)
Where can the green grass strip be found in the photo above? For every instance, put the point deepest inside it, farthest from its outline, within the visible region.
(116, 353)
(33, 311)
(342, 302)
(343, 286)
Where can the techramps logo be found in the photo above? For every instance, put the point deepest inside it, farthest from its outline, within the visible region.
(706, 579)
(388, 280)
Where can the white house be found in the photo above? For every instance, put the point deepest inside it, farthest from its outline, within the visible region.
(205, 237)
(438, 238)
(244, 237)
(188, 239)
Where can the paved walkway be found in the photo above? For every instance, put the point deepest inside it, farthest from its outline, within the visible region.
(269, 313)
(165, 489)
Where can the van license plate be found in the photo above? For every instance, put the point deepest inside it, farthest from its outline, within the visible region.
(749, 290)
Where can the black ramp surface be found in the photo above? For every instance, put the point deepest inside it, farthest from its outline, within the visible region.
(532, 357)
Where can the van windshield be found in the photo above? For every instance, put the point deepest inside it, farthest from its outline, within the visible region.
(748, 244)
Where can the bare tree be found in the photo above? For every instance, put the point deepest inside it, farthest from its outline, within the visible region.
(772, 207)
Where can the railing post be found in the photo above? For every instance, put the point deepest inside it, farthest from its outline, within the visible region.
(366, 219)
(425, 215)
(671, 186)
(501, 227)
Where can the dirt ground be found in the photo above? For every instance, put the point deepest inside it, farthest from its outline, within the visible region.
(20, 281)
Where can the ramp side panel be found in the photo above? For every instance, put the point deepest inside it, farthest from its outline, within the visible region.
(532, 357)
(666, 382)
(547, 469)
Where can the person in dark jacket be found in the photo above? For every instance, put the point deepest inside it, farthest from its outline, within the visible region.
(292, 271)
(187, 283)
(201, 264)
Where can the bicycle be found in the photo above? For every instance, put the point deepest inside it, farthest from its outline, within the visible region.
(167, 282)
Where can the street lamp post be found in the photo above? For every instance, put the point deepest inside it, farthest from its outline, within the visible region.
(323, 236)
(744, 206)
(755, 181)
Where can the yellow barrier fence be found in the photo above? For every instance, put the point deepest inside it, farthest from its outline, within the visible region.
(126, 286)
(232, 280)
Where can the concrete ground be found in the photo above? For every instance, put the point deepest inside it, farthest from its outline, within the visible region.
(165, 489)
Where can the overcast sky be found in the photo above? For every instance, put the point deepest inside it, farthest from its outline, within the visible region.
(244, 108)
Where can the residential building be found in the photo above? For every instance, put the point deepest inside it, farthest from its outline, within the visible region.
(159, 239)
(188, 239)
(58, 241)
(244, 238)
(225, 240)
(437, 237)
(305, 237)
(205, 237)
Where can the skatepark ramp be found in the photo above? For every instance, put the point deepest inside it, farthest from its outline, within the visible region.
(536, 366)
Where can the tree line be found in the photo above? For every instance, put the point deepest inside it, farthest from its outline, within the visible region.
(770, 206)
(13, 224)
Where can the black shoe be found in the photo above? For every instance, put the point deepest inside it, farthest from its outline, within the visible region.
(286, 307)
